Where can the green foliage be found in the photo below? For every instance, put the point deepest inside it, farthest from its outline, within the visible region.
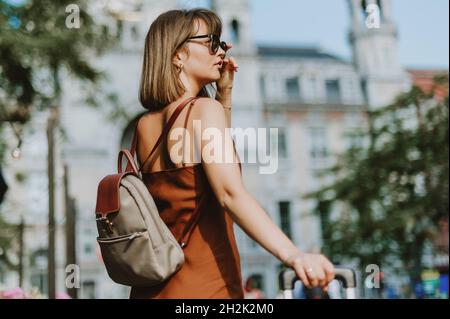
(36, 47)
(388, 197)
(35, 44)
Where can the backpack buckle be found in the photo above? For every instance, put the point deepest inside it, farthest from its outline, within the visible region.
(109, 224)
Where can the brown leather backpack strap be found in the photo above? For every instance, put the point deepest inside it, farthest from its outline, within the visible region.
(130, 162)
(134, 140)
(187, 232)
(130, 165)
(165, 131)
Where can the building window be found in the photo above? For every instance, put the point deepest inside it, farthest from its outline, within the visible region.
(88, 248)
(380, 8)
(119, 29)
(363, 12)
(318, 143)
(312, 87)
(285, 218)
(89, 289)
(38, 263)
(333, 91)
(262, 85)
(282, 145)
(278, 141)
(293, 89)
(364, 90)
(235, 31)
(39, 279)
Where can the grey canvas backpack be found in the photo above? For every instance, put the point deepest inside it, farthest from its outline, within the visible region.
(137, 247)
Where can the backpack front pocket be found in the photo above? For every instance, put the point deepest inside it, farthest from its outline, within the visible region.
(126, 257)
(118, 239)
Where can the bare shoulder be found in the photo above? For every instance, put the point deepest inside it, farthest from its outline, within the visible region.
(205, 107)
(143, 119)
(148, 128)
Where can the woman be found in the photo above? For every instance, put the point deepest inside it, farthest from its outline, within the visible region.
(183, 54)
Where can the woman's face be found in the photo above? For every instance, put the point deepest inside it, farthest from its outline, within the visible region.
(201, 65)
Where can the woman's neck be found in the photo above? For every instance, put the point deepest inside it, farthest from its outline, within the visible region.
(193, 87)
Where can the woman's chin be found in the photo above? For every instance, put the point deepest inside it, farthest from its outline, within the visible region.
(216, 76)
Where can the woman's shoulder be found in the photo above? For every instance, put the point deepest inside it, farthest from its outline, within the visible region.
(204, 101)
(205, 107)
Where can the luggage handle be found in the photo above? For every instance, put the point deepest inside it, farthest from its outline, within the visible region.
(345, 275)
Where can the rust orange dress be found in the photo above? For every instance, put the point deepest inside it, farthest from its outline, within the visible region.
(212, 262)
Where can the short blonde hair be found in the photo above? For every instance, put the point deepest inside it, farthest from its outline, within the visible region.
(160, 84)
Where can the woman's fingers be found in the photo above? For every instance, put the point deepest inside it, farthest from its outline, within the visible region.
(230, 64)
(319, 270)
(233, 63)
(311, 272)
(314, 270)
(302, 275)
(321, 277)
(329, 268)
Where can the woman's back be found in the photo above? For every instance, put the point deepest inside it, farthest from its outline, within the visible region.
(150, 128)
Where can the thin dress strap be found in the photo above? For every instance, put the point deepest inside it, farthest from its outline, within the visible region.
(164, 132)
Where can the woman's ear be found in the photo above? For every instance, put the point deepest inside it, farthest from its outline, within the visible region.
(176, 60)
(179, 58)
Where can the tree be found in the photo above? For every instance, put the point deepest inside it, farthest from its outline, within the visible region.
(387, 198)
(38, 41)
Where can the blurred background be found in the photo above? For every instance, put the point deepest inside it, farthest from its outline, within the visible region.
(358, 90)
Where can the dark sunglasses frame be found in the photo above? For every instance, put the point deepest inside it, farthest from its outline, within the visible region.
(215, 42)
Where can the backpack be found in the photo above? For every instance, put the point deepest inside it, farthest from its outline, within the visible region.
(137, 247)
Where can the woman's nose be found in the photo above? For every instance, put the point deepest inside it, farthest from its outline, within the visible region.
(221, 52)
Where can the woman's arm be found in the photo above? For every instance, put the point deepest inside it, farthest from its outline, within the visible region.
(255, 214)
(226, 182)
(225, 85)
(223, 96)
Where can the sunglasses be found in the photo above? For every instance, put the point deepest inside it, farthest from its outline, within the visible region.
(214, 40)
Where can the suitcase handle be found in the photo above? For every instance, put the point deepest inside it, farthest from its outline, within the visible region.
(345, 275)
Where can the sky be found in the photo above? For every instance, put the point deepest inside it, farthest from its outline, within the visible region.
(423, 27)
